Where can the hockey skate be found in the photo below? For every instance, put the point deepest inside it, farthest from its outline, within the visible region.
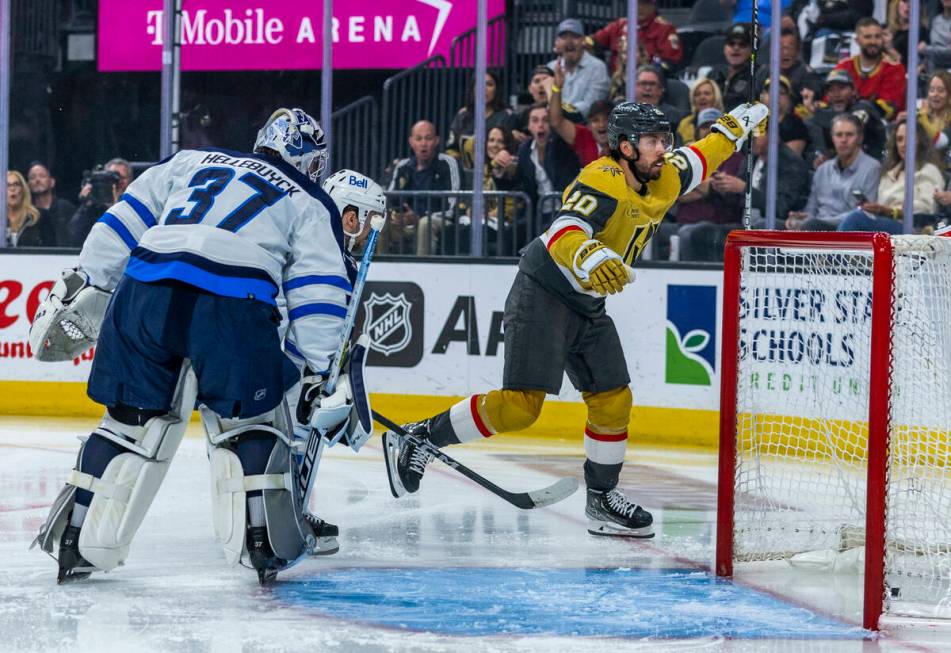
(612, 513)
(72, 566)
(406, 462)
(262, 557)
(325, 535)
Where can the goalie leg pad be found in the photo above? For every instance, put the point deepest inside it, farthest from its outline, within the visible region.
(251, 457)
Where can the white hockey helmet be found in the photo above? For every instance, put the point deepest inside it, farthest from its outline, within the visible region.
(351, 189)
(297, 138)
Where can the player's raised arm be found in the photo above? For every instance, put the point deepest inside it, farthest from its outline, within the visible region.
(696, 162)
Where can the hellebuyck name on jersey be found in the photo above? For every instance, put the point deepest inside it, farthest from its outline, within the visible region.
(268, 173)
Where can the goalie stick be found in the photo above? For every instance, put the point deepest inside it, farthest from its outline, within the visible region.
(315, 441)
(546, 496)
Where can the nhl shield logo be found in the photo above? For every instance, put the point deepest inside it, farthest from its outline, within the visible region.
(388, 322)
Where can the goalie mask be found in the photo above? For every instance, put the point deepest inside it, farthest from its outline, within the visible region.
(351, 190)
(297, 138)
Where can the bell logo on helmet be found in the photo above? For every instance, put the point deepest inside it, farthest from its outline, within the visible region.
(353, 180)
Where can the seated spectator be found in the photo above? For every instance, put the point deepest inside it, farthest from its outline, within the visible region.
(53, 209)
(507, 227)
(539, 87)
(841, 98)
(895, 34)
(835, 180)
(415, 219)
(655, 35)
(705, 94)
(589, 142)
(463, 125)
(733, 77)
(546, 164)
(96, 197)
(887, 213)
(935, 117)
(830, 16)
(938, 53)
(792, 67)
(876, 78)
(650, 90)
(586, 76)
(25, 226)
(792, 130)
(942, 200)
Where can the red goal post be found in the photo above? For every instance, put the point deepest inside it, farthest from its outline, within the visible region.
(810, 468)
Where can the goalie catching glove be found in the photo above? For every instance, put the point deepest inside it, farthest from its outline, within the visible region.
(602, 268)
(344, 414)
(738, 124)
(67, 323)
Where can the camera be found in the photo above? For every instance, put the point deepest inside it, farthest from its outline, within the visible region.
(103, 183)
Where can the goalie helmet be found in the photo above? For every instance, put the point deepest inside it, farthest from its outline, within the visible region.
(297, 138)
(629, 120)
(351, 189)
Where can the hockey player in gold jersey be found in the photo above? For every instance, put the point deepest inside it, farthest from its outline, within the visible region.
(555, 320)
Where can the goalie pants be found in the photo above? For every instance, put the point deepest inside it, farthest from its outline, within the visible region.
(544, 339)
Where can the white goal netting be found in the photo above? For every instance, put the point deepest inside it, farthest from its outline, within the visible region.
(803, 405)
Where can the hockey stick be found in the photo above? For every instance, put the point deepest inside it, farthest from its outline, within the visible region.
(748, 202)
(561, 489)
(315, 441)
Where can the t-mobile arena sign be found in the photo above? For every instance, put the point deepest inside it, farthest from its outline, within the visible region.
(284, 34)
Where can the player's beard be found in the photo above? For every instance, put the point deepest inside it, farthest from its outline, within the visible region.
(649, 172)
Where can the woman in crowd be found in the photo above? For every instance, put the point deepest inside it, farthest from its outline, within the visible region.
(24, 226)
(497, 114)
(705, 94)
(896, 30)
(935, 116)
(886, 214)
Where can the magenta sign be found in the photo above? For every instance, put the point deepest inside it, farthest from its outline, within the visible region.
(283, 34)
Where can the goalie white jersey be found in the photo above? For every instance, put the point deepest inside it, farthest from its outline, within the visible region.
(236, 225)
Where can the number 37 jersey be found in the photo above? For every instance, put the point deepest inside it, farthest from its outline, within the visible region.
(599, 205)
(236, 225)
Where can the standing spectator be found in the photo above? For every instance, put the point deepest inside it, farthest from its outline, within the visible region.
(650, 90)
(841, 98)
(938, 54)
(895, 34)
(546, 164)
(832, 186)
(586, 76)
(122, 168)
(656, 35)
(101, 190)
(53, 209)
(421, 219)
(791, 65)
(589, 142)
(830, 16)
(935, 117)
(705, 94)
(734, 77)
(497, 114)
(538, 88)
(25, 226)
(887, 213)
(878, 80)
(792, 130)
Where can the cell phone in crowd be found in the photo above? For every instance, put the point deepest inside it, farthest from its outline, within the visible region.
(859, 196)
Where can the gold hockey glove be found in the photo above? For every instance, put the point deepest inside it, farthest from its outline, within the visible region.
(601, 268)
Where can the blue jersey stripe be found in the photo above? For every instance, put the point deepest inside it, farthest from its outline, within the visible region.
(116, 225)
(221, 269)
(141, 209)
(292, 349)
(317, 309)
(318, 279)
(224, 286)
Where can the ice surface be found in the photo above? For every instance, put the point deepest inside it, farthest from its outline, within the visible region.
(452, 568)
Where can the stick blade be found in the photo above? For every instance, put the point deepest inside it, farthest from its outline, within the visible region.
(558, 491)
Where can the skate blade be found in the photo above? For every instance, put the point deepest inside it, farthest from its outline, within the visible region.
(391, 453)
(266, 576)
(610, 529)
(67, 577)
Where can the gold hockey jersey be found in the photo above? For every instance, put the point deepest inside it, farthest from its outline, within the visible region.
(600, 205)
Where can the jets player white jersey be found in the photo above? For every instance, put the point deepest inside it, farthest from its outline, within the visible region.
(235, 225)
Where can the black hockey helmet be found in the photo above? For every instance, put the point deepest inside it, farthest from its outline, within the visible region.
(629, 120)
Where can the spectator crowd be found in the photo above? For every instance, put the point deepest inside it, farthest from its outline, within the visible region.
(842, 128)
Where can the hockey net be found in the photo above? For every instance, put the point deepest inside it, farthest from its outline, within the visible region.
(836, 412)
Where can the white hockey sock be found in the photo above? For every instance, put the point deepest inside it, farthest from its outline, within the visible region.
(256, 510)
(79, 514)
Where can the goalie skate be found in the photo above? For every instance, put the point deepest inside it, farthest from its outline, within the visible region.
(611, 513)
